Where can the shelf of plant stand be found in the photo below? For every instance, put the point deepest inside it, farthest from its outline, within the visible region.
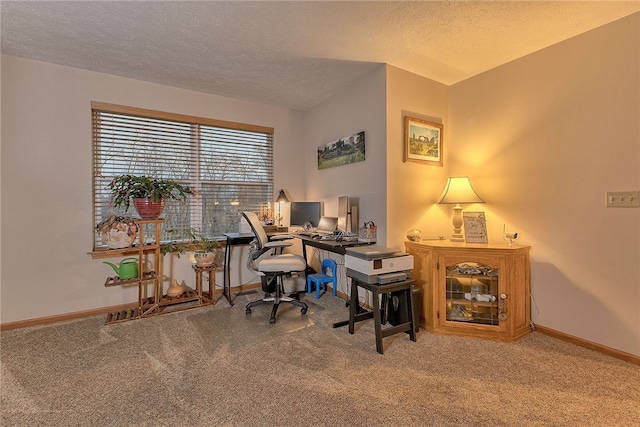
(116, 281)
(122, 315)
(187, 296)
(114, 253)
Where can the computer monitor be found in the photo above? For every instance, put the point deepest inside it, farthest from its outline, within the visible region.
(303, 212)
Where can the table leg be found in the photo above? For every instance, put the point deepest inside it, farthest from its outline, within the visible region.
(212, 286)
(199, 285)
(411, 314)
(377, 320)
(226, 285)
(353, 304)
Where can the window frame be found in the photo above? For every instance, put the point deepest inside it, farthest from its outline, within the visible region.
(248, 200)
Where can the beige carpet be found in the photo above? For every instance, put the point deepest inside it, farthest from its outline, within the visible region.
(215, 366)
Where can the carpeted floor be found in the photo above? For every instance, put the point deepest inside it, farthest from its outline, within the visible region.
(215, 366)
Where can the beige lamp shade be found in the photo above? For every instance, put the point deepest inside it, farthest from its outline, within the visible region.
(458, 190)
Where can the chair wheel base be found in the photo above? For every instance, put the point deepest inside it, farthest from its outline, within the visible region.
(247, 311)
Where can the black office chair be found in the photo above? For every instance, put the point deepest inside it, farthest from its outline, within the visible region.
(272, 267)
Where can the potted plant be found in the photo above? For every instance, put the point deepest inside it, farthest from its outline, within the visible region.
(148, 193)
(118, 231)
(204, 248)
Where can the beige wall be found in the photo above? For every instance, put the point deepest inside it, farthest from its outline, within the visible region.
(360, 107)
(414, 188)
(543, 138)
(46, 179)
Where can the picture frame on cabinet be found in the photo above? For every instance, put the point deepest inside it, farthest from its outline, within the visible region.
(423, 141)
(475, 227)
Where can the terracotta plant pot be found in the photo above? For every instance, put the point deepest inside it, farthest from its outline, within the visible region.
(147, 209)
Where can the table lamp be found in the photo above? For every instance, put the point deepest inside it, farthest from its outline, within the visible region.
(282, 198)
(458, 190)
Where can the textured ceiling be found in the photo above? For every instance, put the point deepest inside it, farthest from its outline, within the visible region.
(291, 54)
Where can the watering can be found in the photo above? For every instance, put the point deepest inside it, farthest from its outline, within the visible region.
(128, 268)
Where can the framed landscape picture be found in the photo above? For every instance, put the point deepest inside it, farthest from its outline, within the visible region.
(423, 141)
(343, 151)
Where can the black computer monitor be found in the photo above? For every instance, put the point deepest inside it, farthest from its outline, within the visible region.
(303, 212)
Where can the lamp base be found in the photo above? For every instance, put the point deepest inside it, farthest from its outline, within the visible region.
(457, 235)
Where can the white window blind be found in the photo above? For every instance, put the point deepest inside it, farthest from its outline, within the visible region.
(228, 165)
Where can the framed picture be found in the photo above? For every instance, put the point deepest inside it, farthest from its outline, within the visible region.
(475, 227)
(422, 141)
(343, 151)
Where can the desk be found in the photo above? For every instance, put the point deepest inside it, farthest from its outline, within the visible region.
(377, 289)
(334, 246)
(232, 239)
(328, 245)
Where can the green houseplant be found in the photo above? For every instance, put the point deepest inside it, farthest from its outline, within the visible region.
(203, 247)
(148, 193)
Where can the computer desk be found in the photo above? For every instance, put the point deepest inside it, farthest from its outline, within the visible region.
(327, 245)
(337, 247)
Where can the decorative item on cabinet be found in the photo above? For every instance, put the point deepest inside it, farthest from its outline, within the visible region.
(480, 290)
(414, 235)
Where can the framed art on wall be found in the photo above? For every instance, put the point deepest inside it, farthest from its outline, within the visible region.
(422, 141)
(349, 149)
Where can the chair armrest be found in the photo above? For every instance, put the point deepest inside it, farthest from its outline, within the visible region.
(277, 244)
(276, 237)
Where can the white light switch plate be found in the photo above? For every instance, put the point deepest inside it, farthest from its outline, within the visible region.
(623, 199)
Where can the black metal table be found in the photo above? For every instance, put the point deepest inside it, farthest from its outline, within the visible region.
(338, 247)
(232, 239)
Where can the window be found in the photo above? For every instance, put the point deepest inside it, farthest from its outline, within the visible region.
(228, 165)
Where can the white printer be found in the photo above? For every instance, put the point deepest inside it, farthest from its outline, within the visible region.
(377, 264)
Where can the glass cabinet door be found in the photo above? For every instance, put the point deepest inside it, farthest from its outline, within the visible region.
(472, 294)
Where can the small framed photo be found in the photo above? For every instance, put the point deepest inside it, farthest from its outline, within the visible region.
(475, 227)
(422, 141)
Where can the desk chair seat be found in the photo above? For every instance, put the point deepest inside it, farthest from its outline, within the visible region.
(321, 279)
(265, 260)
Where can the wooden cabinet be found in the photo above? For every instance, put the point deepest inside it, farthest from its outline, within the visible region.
(478, 290)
